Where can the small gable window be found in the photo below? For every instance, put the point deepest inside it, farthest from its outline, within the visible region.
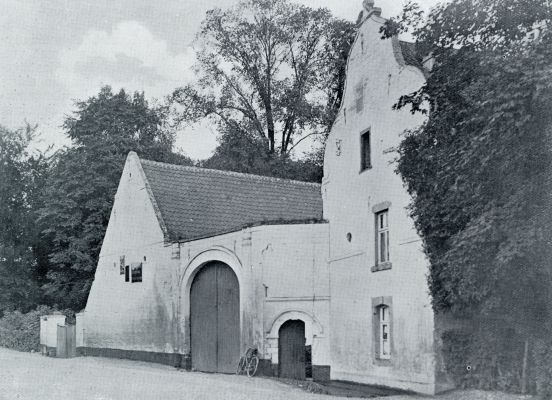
(136, 272)
(121, 265)
(365, 161)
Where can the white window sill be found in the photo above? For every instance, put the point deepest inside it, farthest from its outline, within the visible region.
(382, 266)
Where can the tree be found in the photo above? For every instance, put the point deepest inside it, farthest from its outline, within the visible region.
(82, 183)
(270, 69)
(478, 171)
(22, 174)
(243, 152)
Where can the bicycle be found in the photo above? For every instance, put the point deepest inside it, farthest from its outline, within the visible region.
(248, 362)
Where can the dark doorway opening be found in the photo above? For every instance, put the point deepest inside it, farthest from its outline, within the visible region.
(291, 350)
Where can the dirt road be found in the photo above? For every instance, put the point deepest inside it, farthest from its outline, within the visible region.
(32, 376)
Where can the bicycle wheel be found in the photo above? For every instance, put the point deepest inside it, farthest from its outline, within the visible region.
(241, 365)
(252, 366)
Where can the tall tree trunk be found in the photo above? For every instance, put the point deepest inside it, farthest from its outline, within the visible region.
(286, 133)
(285, 145)
(270, 125)
(268, 108)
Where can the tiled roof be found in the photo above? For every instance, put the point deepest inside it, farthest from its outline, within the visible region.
(197, 202)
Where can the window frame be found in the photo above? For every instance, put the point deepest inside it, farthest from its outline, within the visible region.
(134, 269)
(380, 358)
(366, 150)
(384, 327)
(376, 209)
(385, 231)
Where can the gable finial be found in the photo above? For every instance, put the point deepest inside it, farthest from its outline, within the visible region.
(368, 5)
(370, 9)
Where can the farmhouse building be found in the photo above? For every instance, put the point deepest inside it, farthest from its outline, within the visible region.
(199, 264)
(327, 281)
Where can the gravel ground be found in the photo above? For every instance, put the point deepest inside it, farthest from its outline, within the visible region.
(32, 376)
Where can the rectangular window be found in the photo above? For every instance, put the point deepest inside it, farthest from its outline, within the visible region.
(136, 272)
(122, 265)
(384, 333)
(127, 273)
(365, 161)
(382, 237)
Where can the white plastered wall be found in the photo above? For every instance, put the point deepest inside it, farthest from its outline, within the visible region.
(133, 316)
(283, 273)
(376, 73)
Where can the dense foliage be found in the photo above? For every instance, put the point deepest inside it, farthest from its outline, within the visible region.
(479, 169)
(273, 70)
(21, 175)
(82, 182)
(244, 152)
(21, 331)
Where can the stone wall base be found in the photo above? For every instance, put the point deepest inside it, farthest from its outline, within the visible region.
(320, 373)
(172, 359)
(266, 368)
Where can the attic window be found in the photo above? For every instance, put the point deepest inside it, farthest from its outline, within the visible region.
(136, 272)
(365, 161)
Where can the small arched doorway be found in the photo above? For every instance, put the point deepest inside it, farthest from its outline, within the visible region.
(215, 319)
(291, 350)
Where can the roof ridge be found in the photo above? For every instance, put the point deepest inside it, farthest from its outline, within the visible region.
(228, 173)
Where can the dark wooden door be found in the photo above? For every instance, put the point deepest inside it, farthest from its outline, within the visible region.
(215, 319)
(291, 350)
(203, 320)
(228, 320)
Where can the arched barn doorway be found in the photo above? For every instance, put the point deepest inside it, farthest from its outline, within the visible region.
(215, 319)
(291, 350)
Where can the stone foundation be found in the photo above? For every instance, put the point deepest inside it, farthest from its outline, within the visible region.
(172, 359)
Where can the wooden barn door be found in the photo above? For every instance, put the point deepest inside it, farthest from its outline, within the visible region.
(291, 350)
(215, 319)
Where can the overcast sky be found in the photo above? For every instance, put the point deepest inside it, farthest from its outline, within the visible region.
(56, 51)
